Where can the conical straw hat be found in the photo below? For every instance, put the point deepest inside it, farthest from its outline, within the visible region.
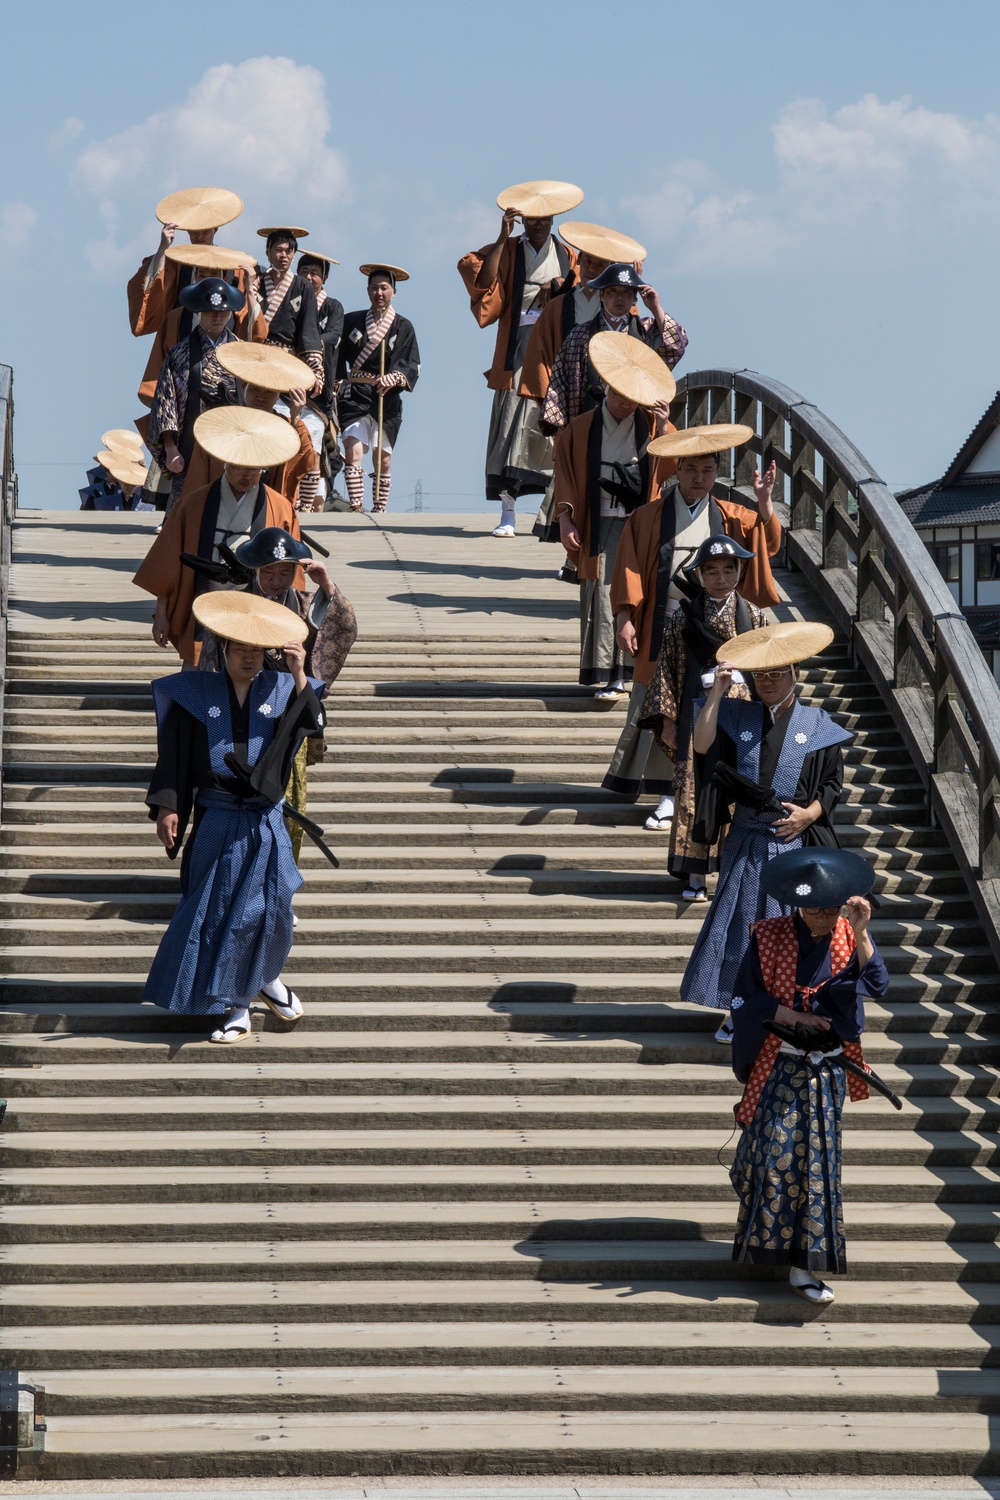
(384, 265)
(601, 242)
(316, 255)
(295, 230)
(122, 440)
(540, 200)
(714, 437)
(774, 646)
(248, 619)
(211, 257)
(631, 368)
(126, 470)
(241, 435)
(199, 208)
(265, 365)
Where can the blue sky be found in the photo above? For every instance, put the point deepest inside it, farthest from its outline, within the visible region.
(818, 185)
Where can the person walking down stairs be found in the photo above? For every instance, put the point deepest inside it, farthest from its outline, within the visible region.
(807, 975)
(225, 745)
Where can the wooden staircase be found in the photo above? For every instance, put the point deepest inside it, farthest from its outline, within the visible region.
(472, 1214)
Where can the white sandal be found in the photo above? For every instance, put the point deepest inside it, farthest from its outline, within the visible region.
(816, 1292)
(291, 1012)
(694, 893)
(226, 1035)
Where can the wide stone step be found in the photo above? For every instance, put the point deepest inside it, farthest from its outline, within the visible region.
(55, 1282)
(517, 1441)
(260, 1223)
(268, 1146)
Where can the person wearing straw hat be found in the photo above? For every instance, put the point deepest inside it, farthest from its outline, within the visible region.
(649, 579)
(509, 283)
(714, 613)
(225, 744)
(154, 289)
(220, 516)
(378, 360)
(575, 302)
(602, 473)
(273, 559)
(780, 765)
(807, 973)
(205, 261)
(116, 484)
(287, 300)
(192, 379)
(573, 385)
(315, 269)
(272, 379)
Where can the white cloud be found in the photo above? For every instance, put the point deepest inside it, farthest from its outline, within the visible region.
(259, 127)
(68, 132)
(17, 220)
(849, 182)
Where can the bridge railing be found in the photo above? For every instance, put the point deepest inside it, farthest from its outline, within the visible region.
(847, 534)
(8, 497)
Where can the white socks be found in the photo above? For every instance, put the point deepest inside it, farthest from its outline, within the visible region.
(665, 807)
(238, 1016)
(281, 995)
(798, 1277)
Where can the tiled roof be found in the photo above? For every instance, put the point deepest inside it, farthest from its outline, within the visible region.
(955, 505)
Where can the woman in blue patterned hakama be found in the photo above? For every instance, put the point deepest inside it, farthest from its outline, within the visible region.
(225, 742)
(789, 758)
(809, 973)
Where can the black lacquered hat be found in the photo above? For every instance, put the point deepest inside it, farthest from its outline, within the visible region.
(817, 877)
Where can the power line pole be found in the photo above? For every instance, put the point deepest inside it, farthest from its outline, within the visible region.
(418, 495)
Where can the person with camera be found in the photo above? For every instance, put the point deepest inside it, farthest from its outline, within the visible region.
(798, 1013)
(602, 473)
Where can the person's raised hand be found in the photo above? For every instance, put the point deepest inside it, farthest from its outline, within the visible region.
(167, 232)
(723, 680)
(295, 660)
(166, 827)
(661, 417)
(650, 297)
(508, 222)
(763, 484)
(320, 576)
(858, 912)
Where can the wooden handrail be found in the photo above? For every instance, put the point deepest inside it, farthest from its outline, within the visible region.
(848, 535)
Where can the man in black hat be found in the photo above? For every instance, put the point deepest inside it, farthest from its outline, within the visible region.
(574, 386)
(808, 975)
(192, 379)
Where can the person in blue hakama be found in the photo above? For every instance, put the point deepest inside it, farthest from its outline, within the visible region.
(225, 743)
(809, 971)
(780, 764)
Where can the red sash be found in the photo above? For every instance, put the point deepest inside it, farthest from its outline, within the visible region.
(778, 948)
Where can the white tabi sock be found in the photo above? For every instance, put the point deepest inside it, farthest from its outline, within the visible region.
(238, 1016)
(279, 992)
(665, 807)
(798, 1277)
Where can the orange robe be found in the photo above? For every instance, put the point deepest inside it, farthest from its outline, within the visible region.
(637, 564)
(572, 490)
(204, 470)
(495, 304)
(148, 306)
(162, 573)
(168, 334)
(547, 339)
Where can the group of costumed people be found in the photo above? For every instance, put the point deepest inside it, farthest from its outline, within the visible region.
(675, 588)
(210, 309)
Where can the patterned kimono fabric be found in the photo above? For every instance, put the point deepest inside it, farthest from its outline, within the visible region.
(518, 455)
(750, 843)
(232, 930)
(787, 1169)
(671, 695)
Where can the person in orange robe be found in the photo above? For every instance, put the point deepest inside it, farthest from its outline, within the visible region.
(644, 591)
(509, 283)
(237, 505)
